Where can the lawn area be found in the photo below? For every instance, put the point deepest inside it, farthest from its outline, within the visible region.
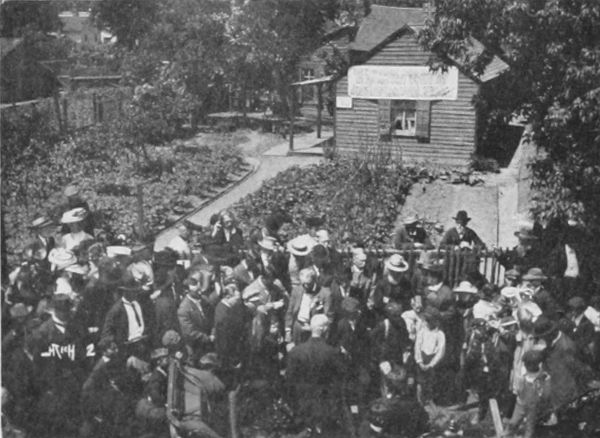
(356, 199)
(175, 179)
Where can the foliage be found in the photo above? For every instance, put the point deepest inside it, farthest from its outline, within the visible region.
(358, 199)
(484, 164)
(271, 37)
(108, 176)
(552, 49)
(128, 20)
(19, 18)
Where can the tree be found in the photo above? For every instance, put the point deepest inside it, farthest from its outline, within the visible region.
(272, 36)
(554, 56)
(128, 20)
(18, 18)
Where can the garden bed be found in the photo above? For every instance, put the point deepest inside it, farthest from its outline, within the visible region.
(355, 200)
(175, 180)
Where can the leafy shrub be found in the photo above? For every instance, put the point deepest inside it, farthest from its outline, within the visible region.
(480, 163)
(356, 199)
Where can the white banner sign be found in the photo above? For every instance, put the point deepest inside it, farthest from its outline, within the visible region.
(402, 83)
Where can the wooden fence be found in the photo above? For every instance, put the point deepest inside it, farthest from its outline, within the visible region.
(457, 262)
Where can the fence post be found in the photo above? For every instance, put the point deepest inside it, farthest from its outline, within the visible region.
(94, 109)
(65, 114)
(140, 207)
(57, 111)
(100, 110)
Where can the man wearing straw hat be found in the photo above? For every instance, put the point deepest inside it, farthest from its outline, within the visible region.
(411, 235)
(394, 286)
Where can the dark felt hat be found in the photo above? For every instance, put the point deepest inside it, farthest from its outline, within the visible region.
(462, 216)
(544, 327)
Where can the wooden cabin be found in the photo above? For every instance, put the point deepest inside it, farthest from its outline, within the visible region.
(392, 101)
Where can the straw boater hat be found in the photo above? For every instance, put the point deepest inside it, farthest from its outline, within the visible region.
(535, 274)
(40, 222)
(465, 287)
(512, 274)
(300, 246)
(159, 353)
(410, 219)
(71, 190)
(60, 258)
(118, 250)
(268, 243)
(74, 215)
(396, 263)
(77, 269)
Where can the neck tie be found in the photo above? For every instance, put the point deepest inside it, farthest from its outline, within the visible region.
(135, 312)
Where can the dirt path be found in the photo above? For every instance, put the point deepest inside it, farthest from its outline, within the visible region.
(266, 167)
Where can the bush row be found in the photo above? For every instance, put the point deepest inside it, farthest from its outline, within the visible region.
(356, 200)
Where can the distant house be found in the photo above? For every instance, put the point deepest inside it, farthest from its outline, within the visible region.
(313, 66)
(390, 98)
(79, 27)
(21, 77)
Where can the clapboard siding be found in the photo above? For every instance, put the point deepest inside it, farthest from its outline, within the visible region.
(452, 122)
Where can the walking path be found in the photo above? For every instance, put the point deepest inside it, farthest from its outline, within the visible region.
(267, 164)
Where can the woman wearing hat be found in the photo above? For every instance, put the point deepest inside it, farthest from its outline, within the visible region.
(73, 219)
(394, 286)
(460, 235)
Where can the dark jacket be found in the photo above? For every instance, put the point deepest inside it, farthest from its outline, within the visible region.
(569, 375)
(116, 324)
(231, 333)
(452, 238)
(323, 304)
(314, 362)
(389, 341)
(236, 239)
(156, 387)
(405, 238)
(354, 341)
(195, 324)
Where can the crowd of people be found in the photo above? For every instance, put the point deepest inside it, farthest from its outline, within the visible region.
(92, 324)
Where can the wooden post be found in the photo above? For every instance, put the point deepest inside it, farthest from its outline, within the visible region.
(100, 110)
(57, 110)
(319, 106)
(65, 114)
(233, 426)
(3, 248)
(140, 207)
(292, 110)
(94, 109)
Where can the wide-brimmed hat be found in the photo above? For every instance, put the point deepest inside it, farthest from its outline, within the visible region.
(512, 274)
(300, 246)
(60, 258)
(410, 219)
(510, 292)
(78, 269)
(544, 326)
(462, 216)
(268, 243)
(525, 233)
(396, 263)
(465, 287)
(535, 274)
(159, 353)
(71, 190)
(118, 250)
(72, 216)
(41, 222)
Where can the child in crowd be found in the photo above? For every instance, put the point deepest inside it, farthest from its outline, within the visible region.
(533, 395)
(430, 347)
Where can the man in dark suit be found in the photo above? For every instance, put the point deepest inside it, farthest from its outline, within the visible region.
(582, 329)
(196, 315)
(307, 300)
(314, 373)
(129, 320)
(460, 234)
(232, 321)
(245, 272)
(58, 359)
(570, 376)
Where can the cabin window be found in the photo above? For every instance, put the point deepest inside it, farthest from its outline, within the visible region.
(404, 118)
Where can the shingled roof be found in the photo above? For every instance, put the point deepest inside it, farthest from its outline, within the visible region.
(385, 21)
